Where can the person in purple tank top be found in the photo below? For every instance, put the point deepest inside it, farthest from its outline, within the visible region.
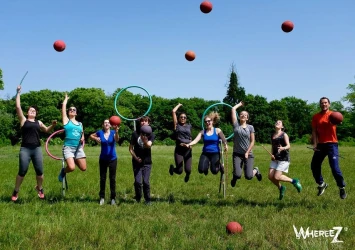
(182, 155)
(30, 146)
(210, 157)
(107, 138)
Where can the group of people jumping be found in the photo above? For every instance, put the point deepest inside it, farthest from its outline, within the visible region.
(324, 137)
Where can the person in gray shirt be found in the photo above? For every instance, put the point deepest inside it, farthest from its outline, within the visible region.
(244, 138)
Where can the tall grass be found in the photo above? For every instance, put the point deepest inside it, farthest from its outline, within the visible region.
(189, 215)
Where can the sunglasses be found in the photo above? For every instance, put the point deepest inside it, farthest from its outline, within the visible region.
(71, 109)
(207, 121)
(183, 117)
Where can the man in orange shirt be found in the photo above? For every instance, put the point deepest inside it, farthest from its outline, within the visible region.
(325, 143)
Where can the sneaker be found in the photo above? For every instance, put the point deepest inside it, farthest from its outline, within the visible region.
(297, 185)
(321, 188)
(342, 193)
(40, 192)
(233, 181)
(61, 175)
(187, 177)
(113, 202)
(102, 201)
(282, 192)
(258, 174)
(171, 169)
(14, 196)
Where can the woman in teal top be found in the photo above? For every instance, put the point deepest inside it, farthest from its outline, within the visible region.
(210, 156)
(74, 136)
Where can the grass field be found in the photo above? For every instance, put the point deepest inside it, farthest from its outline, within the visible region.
(189, 215)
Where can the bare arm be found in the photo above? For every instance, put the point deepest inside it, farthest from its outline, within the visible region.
(174, 114)
(94, 137)
(287, 141)
(252, 142)
(65, 118)
(117, 136)
(134, 154)
(19, 112)
(46, 129)
(196, 140)
(223, 138)
(314, 137)
(234, 111)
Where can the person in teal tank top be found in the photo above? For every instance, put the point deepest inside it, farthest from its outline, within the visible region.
(73, 142)
(210, 157)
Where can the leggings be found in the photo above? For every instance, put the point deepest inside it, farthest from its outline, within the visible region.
(183, 158)
(238, 161)
(28, 154)
(209, 160)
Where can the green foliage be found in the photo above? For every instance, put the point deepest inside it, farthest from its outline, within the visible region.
(1, 81)
(235, 93)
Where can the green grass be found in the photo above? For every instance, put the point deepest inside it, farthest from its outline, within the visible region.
(183, 216)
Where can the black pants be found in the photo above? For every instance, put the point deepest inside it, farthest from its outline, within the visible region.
(209, 160)
(183, 159)
(141, 174)
(112, 167)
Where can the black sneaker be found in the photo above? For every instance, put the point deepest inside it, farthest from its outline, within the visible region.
(321, 188)
(342, 193)
(187, 178)
(171, 169)
(258, 174)
(233, 182)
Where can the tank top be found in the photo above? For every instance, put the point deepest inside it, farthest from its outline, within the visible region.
(210, 142)
(183, 133)
(72, 134)
(284, 155)
(30, 134)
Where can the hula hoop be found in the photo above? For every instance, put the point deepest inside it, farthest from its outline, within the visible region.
(211, 106)
(48, 140)
(133, 119)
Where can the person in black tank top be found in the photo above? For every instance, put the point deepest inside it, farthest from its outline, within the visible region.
(280, 160)
(30, 146)
(182, 155)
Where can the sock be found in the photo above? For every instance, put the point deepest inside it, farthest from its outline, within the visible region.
(293, 181)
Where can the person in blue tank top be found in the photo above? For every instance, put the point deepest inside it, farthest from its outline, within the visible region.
(73, 142)
(210, 157)
(30, 146)
(107, 138)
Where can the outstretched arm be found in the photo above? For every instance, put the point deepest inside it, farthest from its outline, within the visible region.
(19, 112)
(46, 129)
(196, 140)
(65, 118)
(234, 111)
(174, 114)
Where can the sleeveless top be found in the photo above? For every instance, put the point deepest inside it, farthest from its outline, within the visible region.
(72, 134)
(284, 155)
(210, 142)
(30, 134)
(183, 133)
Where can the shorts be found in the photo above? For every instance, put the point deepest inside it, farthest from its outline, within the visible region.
(68, 152)
(280, 165)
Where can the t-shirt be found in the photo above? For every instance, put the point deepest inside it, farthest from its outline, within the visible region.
(144, 153)
(325, 130)
(30, 134)
(183, 133)
(242, 138)
(108, 147)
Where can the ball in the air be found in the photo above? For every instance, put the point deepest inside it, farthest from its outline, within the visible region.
(206, 7)
(190, 55)
(59, 45)
(287, 26)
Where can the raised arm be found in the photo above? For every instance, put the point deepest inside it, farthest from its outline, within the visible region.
(174, 114)
(117, 136)
(19, 112)
(65, 118)
(234, 111)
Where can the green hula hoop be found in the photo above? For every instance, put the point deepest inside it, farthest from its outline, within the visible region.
(211, 106)
(133, 119)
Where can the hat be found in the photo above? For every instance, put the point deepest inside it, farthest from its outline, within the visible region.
(147, 130)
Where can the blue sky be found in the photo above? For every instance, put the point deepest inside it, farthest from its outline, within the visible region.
(115, 44)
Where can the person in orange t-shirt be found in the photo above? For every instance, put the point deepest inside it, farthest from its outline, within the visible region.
(325, 143)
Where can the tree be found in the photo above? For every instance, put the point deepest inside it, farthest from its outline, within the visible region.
(1, 81)
(235, 93)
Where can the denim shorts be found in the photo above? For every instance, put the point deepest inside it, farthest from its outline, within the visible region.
(69, 152)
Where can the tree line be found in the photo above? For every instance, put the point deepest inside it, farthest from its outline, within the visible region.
(94, 105)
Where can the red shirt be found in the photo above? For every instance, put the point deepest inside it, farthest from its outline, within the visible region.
(325, 130)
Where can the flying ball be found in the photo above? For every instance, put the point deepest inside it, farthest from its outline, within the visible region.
(287, 26)
(115, 120)
(59, 45)
(190, 55)
(234, 227)
(336, 118)
(206, 7)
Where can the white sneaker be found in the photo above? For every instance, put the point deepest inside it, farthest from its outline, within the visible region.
(102, 201)
(113, 202)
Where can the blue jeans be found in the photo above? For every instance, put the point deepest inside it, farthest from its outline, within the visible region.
(330, 150)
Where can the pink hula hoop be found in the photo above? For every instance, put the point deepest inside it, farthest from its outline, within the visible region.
(48, 140)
